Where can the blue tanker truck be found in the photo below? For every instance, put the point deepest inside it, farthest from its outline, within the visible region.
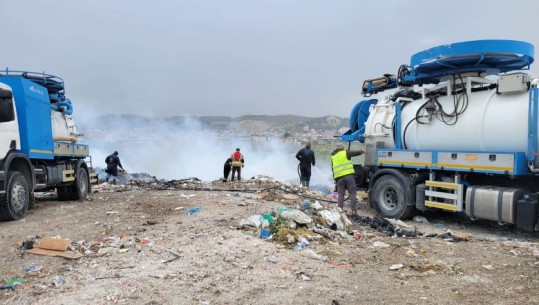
(38, 143)
(457, 130)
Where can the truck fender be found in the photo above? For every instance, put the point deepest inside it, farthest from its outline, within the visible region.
(402, 175)
(15, 161)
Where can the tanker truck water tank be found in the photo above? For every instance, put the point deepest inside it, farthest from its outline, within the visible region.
(488, 122)
(63, 127)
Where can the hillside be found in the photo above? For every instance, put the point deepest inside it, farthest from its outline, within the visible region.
(249, 123)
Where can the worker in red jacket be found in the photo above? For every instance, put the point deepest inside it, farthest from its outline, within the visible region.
(237, 163)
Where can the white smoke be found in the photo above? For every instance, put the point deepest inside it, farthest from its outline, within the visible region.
(189, 150)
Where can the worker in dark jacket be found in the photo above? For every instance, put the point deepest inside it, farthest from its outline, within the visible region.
(343, 173)
(237, 163)
(113, 162)
(306, 158)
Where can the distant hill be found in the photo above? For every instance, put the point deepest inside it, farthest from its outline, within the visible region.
(247, 123)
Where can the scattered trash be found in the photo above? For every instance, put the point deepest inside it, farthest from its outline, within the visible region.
(251, 221)
(382, 225)
(439, 225)
(58, 281)
(179, 208)
(300, 246)
(337, 265)
(324, 232)
(303, 276)
(290, 238)
(488, 267)
(333, 218)
(448, 237)
(194, 210)
(14, 281)
(396, 267)
(515, 252)
(398, 222)
(317, 206)
(2, 287)
(295, 215)
(271, 260)
(411, 252)
(268, 218)
(27, 245)
(379, 244)
(187, 196)
(420, 218)
(311, 254)
(265, 233)
(146, 241)
(33, 268)
(357, 235)
(347, 221)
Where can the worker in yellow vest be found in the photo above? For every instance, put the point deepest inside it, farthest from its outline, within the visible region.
(238, 162)
(343, 173)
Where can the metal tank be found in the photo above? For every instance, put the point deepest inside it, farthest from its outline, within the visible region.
(489, 121)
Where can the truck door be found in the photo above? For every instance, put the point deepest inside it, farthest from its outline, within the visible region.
(9, 129)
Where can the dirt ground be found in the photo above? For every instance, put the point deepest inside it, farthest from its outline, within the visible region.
(140, 246)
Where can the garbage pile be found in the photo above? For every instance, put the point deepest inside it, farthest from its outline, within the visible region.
(266, 187)
(310, 222)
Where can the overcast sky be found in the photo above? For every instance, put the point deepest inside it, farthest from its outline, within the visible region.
(227, 57)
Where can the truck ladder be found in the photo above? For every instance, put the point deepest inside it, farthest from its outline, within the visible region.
(93, 175)
(451, 194)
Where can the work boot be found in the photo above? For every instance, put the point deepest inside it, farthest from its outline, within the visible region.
(307, 183)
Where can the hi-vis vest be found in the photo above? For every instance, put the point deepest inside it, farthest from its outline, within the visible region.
(341, 165)
(236, 158)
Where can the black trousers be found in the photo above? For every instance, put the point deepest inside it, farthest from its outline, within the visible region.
(234, 170)
(226, 170)
(305, 171)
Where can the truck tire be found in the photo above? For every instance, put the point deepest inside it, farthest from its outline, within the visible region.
(79, 189)
(15, 203)
(390, 198)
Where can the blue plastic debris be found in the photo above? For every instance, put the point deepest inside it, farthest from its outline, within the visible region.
(194, 210)
(265, 233)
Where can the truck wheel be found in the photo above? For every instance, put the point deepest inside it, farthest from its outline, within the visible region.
(79, 190)
(390, 197)
(15, 203)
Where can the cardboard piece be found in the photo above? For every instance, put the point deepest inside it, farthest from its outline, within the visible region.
(54, 247)
(64, 254)
(49, 243)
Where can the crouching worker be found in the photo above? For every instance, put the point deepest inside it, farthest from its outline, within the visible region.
(113, 162)
(343, 173)
(226, 169)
